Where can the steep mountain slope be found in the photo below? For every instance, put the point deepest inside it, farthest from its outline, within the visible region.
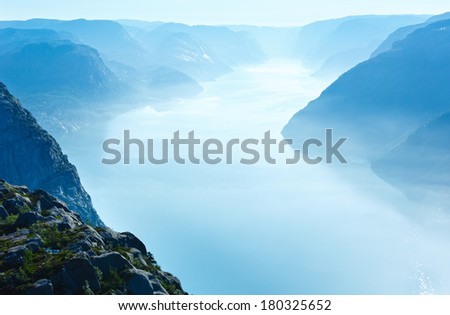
(108, 37)
(275, 42)
(423, 159)
(46, 249)
(12, 39)
(232, 48)
(55, 66)
(137, 26)
(402, 32)
(166, 82)
(337, 45)
(30, 156)
(381, 101)
(186, 53)
(54, 77)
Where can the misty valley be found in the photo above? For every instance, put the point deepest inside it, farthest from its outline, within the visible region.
(364, 99)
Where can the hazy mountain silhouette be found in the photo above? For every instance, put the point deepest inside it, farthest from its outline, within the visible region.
(402, 32)
(108, 37)
(12, 39)
(232, 48)
(422, 159)
(337, 45)
(54, 77)
(278, 42)
(186, 53)
(381, 101)
(55, 66)
(166, 82)
(30, 156)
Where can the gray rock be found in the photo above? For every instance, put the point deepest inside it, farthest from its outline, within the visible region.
(27, 219)
(125, 239)
(22, 189)
(90, 253)
(32, 157)
(89, 239)
(3, 187)
(47, 201)
(15, 237)
(35, 239)
(170, 279)
(61, 218)
(72, 278)
(14, 256)
(136, 255)
(143, 283)
(91, 235)
(66, 223)
(23, 232)
(109, 261)
(33, 246)
(13, 205)
(80, 246)
(130, 240)
(3, 213)
(41, 287)
(3, 190)
(34, 243)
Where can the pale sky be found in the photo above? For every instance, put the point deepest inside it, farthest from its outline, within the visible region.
(257, 12)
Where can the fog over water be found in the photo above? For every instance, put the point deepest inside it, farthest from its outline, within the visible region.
(261, 229)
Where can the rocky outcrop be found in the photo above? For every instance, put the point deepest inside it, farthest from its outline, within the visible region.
(46, 249)
(30, 156)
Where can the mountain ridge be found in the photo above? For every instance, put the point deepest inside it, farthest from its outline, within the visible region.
(384, 98)
(31, 156)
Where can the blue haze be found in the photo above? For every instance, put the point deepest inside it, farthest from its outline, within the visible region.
(235, 229)
(262, 229)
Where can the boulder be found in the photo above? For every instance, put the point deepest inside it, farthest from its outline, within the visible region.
(14, 256)
(27, 219)
(136, 255)
(130, 240)
(66, 223)
(34, 243)
(17, 236)
(3, 213)
(170, 279)
(91, 235)
(47, 201)
(79, 246)
(125, 239)
(3, 190)
(41, 287)
(109, 261)
(74, 276)
(143, 283)
(14, 204)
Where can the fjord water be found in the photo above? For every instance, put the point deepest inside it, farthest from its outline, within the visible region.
(261, 229)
